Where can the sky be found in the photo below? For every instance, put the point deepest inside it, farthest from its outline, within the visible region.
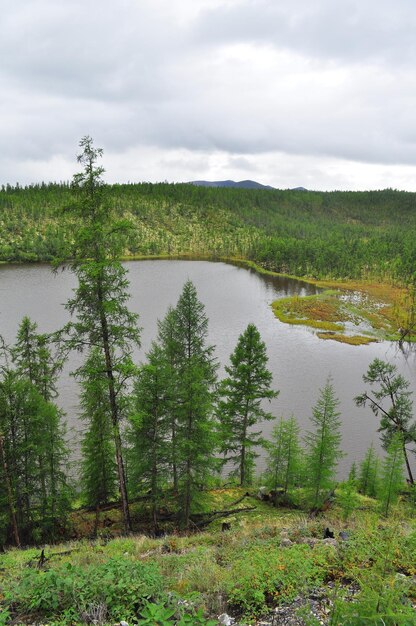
(312, 93)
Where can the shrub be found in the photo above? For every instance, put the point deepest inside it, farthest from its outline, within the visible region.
(266, 573)
(121, 586)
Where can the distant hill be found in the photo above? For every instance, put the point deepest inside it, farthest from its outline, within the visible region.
(242, 184)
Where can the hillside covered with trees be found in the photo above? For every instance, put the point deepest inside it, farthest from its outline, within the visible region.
(339, 235)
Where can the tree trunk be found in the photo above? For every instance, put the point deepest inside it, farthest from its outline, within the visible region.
(114, 417)
(9, 493)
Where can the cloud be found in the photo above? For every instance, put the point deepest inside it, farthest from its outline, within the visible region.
(192, 80)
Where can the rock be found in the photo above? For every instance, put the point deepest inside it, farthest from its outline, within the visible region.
(123, 623)
(262, 493)
(330, 542)
(226, 620)
(285, 542)
(311, 541)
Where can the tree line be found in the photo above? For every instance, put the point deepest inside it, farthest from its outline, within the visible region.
(359, 235)
(167, 425)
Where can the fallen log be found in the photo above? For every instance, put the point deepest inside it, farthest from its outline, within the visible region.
(204, 519)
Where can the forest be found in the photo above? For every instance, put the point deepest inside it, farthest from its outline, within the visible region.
(161, 439)
(339, 235)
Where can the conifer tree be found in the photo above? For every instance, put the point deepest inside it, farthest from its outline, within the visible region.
(397, 417)
(32, 355)
(392, 478)
(34, 361)
(195, 377)
(323, 446)
(171, 348)
(368, 473)
(99, 304)
(34, 453)
(150, 430)
(242, 392)
(98, 467)
(284, 454)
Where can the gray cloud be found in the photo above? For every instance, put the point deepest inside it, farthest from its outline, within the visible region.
(346, 30)
(237, 78)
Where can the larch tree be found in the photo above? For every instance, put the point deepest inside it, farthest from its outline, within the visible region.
(195, 377)
(392, 475)
(391, 401)
(169, 342)
(284, 454)
(150, 430)
(369, 473)
(99, 304)
(323, 446)
(98, 466)
(242, 392)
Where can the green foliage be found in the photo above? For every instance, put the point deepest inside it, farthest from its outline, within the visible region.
(284, 464)
(323, 446)
(369, 473)
(103, 321)
(194, 376)
(247, 384)
(34, 492)
(122, 587)
(392, 479)
(347, 498)
(160, 615)
(321, 234)
(397, 417)
(98, 468)
(156, 615)
(266, 574)
(150, 429)
(384, 593)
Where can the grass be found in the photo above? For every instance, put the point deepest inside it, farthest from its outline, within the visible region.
(352, 340)
(339, 313)
(243, 571)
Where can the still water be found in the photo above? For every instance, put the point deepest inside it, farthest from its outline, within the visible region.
(233, 297)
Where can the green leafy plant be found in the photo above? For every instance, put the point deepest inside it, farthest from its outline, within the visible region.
(160, 615)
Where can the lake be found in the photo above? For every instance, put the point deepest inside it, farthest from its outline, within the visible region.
(233, 297)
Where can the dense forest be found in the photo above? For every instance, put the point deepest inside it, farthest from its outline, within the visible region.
(160, 436)
(360, 235)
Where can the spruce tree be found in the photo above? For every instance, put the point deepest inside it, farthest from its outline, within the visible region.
(242, 392)
(323, 446)
(102, 318)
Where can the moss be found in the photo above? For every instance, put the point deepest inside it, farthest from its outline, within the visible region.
(352, 340)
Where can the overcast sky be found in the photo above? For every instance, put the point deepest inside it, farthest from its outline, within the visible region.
(318, 93)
